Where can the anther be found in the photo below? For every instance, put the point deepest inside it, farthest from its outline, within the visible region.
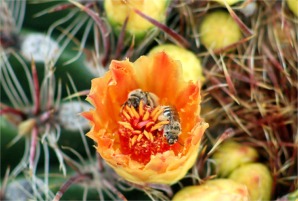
(159, 125)
(129, 111)
(126, 125)
(158, 113)
(140, 137)
(154, 111)
(146, 134)
(141, 109)
(134, 139)
(149, 124)
(126, 115)
(135, 113)
(151, 137)
(136, 132)
(146, 116)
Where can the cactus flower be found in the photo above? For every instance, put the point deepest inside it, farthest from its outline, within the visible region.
(130, 137)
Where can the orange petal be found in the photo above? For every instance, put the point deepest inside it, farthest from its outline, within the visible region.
(99, 98)
(109, 92)
(123, 83)
(88, 115)
(161, 75)
(188, 105)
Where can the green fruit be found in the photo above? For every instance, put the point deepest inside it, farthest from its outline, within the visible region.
(231, 155)
(214, 190)
(257, 178)
(293, 6)
(293, 196)
(218, 30)
(117, 11)
(229, 2)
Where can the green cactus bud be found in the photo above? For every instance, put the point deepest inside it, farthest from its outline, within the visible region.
(118, 10)
(192, 69)
(213, 190)
(229, 2)
(218, 30)
(257, 178)
(231, 155)
(293, 6)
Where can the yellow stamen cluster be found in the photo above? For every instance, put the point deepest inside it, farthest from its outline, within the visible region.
(143, 122)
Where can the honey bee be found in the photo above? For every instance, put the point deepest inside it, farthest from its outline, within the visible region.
(135, 97)
(172, 130)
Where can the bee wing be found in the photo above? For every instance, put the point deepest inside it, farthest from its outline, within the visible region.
(154, 100)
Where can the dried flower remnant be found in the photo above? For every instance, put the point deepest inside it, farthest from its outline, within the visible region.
(130, 137)
(40, 47)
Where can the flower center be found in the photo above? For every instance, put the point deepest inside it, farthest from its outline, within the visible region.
(141, 132)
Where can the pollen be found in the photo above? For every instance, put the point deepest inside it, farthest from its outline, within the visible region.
(141, 132)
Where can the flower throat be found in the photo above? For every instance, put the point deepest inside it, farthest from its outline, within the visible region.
(147, 128)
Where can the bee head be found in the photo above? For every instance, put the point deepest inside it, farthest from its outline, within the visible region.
(171, 139)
